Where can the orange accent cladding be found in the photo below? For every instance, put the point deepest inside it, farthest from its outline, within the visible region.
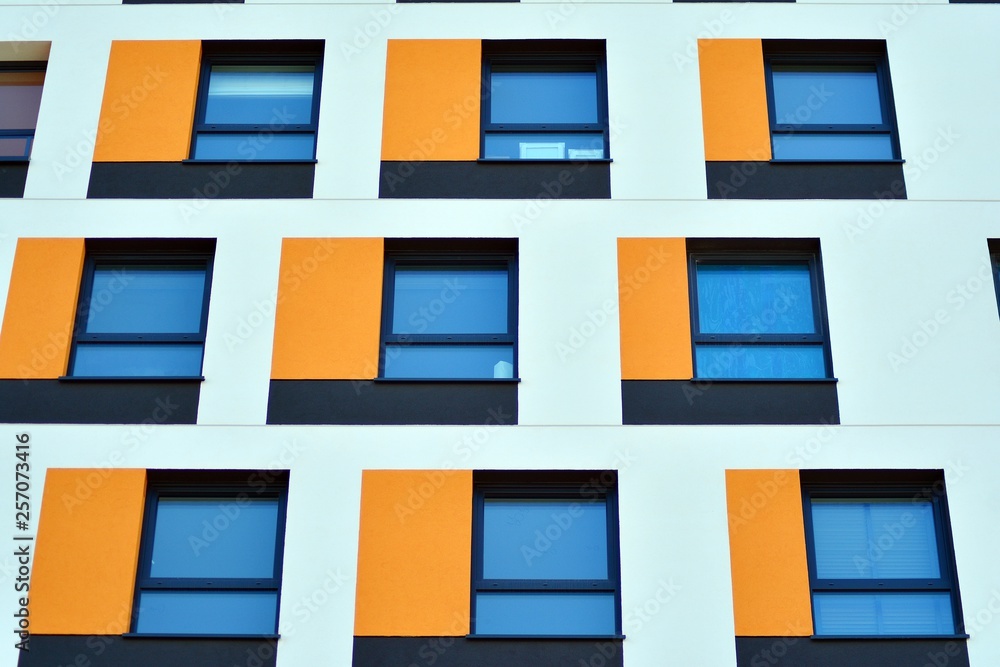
(87, 551)
(414, 554)
(329, 309)
(432, 100)
(734, 100)
(654, 312)
(41, 308)
(149, 100)
(767, 551)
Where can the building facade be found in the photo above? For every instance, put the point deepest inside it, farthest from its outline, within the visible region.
(544, 333)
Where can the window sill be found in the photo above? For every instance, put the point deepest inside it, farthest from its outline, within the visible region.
(549, 637)
(131, 378)
(828, 161)
(429, 380)
(497, 160)
(855, 638)
(236, 161)
(170, 635)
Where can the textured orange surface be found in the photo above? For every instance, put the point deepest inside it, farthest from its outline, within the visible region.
(734, 100)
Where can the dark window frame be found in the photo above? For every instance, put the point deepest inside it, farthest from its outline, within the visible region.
(898, 486)
(546, 56)
(194, 253)
(9, 67)
(994, 247)
(575, 485)
(782, 252)
(210, 484)
(822, 54)
(449, 253)
(278, 53)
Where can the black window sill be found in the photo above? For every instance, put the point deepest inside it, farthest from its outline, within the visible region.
(498, 160)
(850, 161)
(131, 378)
(429, 380)
(240, 161)
(547, 637)
(855, 638)
(151, 635)
(14, 160)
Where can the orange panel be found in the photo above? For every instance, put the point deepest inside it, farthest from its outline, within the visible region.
(654, 312)
(41, 307)
(87, 551)
(414, 554)
(734, 100)
(329, 309)
(149, 99)
(767, 550)
(432, 99)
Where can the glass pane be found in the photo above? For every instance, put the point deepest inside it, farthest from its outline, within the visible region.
(262, 145)
(875, 539)
(137, 360)
(545, 146)
(260, 95)
(545, 613)
(832, 147)
(20, 96)
(543, 97)
(15, 146)
(883, 614)
(755, 298)
(449, 299)
(544, 539)
(449, 361)
(215, 537)
(208, 612)
(831, 95)
(127, 298)
(760, 361)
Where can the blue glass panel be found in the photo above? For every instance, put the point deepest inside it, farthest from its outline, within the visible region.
(545, 613)
(543, 97)
(883, 614)
(832, 147)
(449, 299)
(15, 146)
(875, 539)
(209, 612)
(263, 145)
(755, 298)
(272, 95)
(20, 97)
(759, 361)
(449, 361)
(544, 539)
(139, 359)
(834, 95)
(545, 146)
(215, 537)
(127, 298)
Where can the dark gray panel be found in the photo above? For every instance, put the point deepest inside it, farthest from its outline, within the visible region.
(12, 178)
(728, 402)
(99, 402)
(771, 180)
(117, 651)
(495, 180)
(868, 652)
(463, 652)
(372, 402)
(202, 182)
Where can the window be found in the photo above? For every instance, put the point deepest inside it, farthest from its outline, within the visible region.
(258, 102)
(880, 558)
(546, 554)
(758, 314)
(450, 313)
(545, 100)
(143, 311)
(20, 96)
(210, 561)
(830, 101)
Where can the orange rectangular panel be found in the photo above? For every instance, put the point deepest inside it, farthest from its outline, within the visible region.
(414, 554)
(654, 312)
(329, 309)
(432, 100)
(149, 100)
(87, 551)
(734, 100)
(41, 308)
(767, 551)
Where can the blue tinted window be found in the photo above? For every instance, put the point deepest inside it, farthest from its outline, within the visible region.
(760, 361)
(207, 612)
(883, 614)
(450, 299)
(129, 298)
(542, 97)
(260, 95)
(136, 360)
(833, 95)
(544, 539)
(545, 613)
(839, 146)
(546, 146)
(455, 361)
(755, 298)
(255, 146)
